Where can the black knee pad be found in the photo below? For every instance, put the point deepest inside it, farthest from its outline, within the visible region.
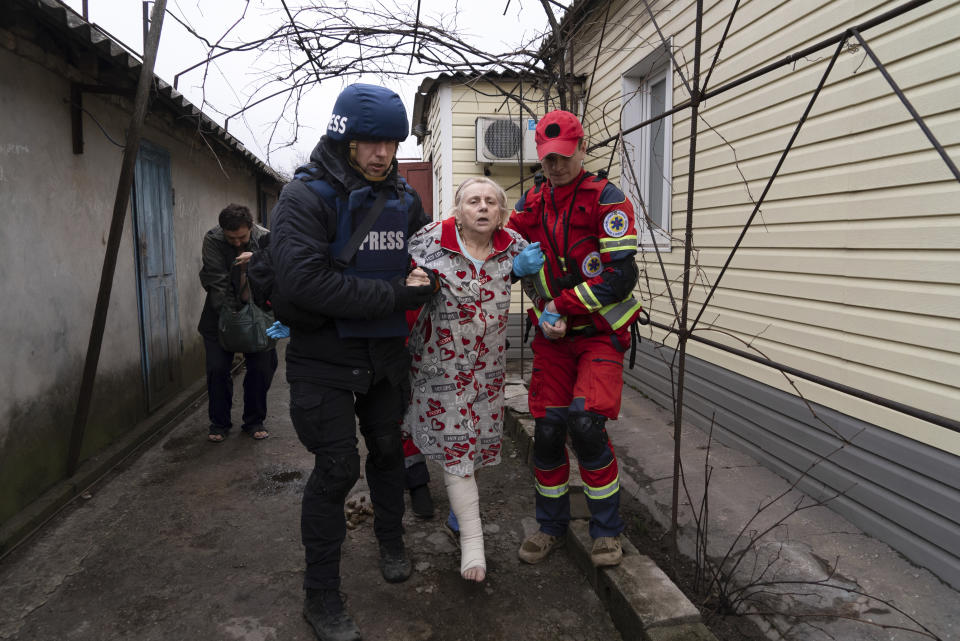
(589, 434)
(549, 438)
(385, 451)
(334, 476)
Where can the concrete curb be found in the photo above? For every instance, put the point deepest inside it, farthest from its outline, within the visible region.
(643, 602)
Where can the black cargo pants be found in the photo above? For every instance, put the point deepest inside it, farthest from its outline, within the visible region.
(326, 422)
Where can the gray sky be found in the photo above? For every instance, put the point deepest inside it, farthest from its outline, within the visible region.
(231, 78)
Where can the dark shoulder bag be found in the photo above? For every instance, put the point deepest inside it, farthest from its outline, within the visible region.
(245, 330)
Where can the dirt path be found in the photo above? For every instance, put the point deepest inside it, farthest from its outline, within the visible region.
(196, 541)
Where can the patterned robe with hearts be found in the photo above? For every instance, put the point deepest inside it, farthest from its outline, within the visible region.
(459, 350)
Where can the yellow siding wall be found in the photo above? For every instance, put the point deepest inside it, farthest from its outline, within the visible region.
(469, 101)
(851, 271)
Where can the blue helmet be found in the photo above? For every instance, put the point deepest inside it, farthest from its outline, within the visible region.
(368, 112)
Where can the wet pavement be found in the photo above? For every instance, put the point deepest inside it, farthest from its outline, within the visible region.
(197, 541)
(200, 541)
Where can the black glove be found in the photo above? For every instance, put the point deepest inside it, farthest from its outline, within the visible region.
(413, 297)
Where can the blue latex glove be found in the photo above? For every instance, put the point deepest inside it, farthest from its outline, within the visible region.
(278, 330)
(549, 317)
(529, 261)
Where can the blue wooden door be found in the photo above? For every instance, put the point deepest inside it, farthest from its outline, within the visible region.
(156, 274)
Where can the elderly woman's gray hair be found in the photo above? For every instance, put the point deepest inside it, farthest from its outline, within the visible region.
(498, 190)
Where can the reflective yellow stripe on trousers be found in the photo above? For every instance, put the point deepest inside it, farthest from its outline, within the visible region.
(553, 492)
(607, 490)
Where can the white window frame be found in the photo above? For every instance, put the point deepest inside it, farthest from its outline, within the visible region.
(637, 107)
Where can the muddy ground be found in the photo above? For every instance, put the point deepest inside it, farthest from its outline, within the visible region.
(197, 541)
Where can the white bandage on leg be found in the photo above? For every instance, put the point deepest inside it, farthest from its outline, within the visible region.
(465, 502)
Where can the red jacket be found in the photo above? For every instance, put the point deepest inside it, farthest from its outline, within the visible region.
(585, 229)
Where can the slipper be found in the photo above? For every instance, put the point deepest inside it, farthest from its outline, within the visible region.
(262, 434)
(213, 437)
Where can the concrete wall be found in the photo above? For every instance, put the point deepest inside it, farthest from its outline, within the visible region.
(57, 208)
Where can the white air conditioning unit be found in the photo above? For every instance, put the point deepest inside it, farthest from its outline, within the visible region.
(499, 141)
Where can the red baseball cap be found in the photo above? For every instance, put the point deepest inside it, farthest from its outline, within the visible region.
(558, 133)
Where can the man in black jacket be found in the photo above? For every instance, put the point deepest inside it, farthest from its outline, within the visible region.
(227, 249)
(346, 359)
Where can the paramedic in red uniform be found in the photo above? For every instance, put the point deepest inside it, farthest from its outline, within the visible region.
(583, 307)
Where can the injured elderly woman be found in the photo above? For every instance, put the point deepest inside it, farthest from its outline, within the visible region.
(458, 344)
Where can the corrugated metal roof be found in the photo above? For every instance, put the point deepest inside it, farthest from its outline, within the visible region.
(58, 16)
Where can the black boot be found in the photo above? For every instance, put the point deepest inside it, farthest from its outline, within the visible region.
(422, 502)
(394, 564)
(323, 610)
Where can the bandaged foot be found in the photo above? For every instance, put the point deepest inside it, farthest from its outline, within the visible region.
(465, 502)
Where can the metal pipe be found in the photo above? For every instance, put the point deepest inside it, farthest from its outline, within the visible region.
(685, 302)
(723, 40)
(906, 103)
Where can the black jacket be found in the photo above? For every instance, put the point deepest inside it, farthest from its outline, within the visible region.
(302, 228)
(220, 278)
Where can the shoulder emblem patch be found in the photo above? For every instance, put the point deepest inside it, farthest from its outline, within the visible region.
(615, 224)
(591, 265)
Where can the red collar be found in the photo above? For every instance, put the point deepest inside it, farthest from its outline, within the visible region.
(448, 237)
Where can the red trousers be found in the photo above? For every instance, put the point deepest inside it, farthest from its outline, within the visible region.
(582, 373)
